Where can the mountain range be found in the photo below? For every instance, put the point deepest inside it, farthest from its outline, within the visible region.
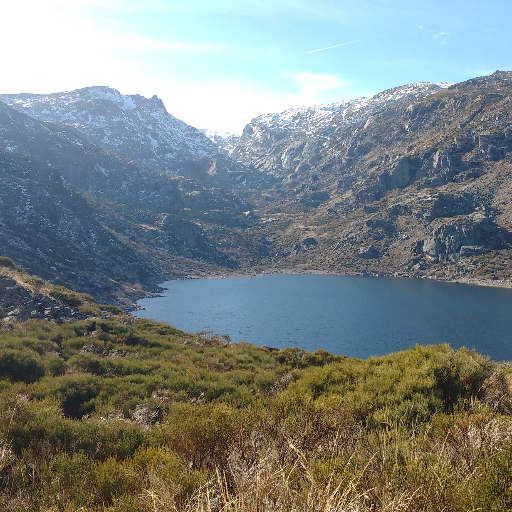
(109, 193)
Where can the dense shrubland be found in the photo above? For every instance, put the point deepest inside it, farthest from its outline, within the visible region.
(132, 415)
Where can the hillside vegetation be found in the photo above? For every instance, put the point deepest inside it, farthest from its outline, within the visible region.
(131, 415)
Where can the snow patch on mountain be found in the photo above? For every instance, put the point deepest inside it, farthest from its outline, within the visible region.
(309, 116)
(319, 121)
(224, 141)
(131, 126)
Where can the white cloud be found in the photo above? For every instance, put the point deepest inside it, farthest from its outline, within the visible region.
(302, 9)
(114, 5)
(44, 26)
(439, 35)
(51, 51)
(229, 106)
(311, 85)
(47, 50)
(115, 41)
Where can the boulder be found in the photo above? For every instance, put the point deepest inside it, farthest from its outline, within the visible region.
(453, 238)
(368, 253)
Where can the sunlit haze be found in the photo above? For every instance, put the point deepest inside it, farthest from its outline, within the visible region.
(218, 64)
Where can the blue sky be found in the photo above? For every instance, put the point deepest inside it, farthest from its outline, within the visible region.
(217, 64)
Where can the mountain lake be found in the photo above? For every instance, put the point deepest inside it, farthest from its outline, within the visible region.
(346, 315)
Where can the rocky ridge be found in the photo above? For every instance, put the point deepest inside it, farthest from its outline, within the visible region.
(24, 297)
(281, 143)
(139, 128)
(51, 229)
(20, 304)
(135, 129)
(75, 213)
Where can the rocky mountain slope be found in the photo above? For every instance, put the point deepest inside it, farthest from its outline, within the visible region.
(134, 129)
(19, 303)
(110, 193)
(87, 166)
(73, 211)
(224, 141)
(24, 297)
(134, 126)
(422, 186)
(291, 140)
(50, 228)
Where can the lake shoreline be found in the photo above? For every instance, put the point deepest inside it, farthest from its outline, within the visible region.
(249, 273)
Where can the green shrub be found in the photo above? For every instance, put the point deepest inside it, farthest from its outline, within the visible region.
(55, 365)
(91, 363)
(35, 423)
(89, 310)
(115, 479)
(492, 488)
(35, 281)
(205, 436)
(7, 262)
(165, 466)
(24, 365)
(138, 416)
(73, 480)
(114, 310)
(71, 297)
(75, 392)
(413, 384)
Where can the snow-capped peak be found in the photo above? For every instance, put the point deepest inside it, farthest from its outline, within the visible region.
(293, 118)
(131, 126)
(321, 120)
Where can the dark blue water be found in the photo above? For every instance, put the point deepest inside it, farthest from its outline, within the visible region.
(355, 316)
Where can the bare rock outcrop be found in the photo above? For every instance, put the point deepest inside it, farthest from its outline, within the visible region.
(20, 304)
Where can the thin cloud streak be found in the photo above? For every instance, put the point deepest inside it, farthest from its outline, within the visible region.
(337, 45)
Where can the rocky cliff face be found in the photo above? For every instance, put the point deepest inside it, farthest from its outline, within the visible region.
(75, 213)
(51, 230)
(134, 129)
(87, 166)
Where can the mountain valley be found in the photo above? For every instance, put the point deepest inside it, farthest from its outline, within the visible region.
(111, 194)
